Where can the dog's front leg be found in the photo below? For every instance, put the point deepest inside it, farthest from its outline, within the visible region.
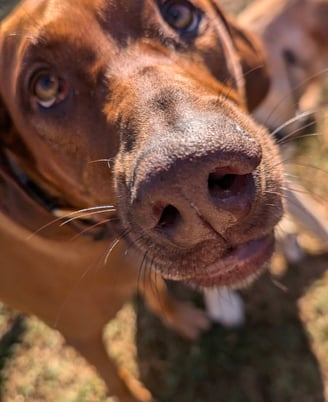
(119, 382)
(182, 316)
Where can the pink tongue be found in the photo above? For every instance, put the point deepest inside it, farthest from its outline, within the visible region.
(239, 255)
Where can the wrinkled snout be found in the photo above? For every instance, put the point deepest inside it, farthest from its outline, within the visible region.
(198, 182)
(194, 180)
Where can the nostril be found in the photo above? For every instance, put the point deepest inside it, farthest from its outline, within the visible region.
(219, 182)
(168, 216)
(229, 186)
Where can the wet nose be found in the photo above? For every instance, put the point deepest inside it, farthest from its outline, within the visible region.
(186, 192)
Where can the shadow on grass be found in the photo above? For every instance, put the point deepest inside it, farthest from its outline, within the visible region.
(9, 340)
(268, 360)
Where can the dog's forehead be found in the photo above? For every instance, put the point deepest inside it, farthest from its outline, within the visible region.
(120, 19)
(116, 31)
(99, 21)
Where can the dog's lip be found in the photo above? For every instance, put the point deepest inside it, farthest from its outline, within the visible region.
(237, 268)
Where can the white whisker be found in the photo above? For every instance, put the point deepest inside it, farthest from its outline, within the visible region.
(290, 121)
(102, 160)
(109, 252)
(63, 214)
(85, 215)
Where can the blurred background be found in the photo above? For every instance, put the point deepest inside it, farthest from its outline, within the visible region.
(280, 355)
(6, 6)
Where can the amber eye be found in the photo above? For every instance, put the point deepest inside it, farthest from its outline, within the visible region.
(48, 89)
(181, 15)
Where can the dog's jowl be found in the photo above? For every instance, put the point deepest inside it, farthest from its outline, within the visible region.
(136, 114)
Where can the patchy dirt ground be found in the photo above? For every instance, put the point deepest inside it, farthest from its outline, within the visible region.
(280, 355)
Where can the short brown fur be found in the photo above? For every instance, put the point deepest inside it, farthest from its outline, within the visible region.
(136, 87)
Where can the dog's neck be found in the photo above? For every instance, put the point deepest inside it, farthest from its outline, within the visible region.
(28, 205)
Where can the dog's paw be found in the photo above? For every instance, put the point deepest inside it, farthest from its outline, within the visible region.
(188, 320)
(137, 391)
(225, 307)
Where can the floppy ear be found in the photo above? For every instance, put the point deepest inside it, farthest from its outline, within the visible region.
(253, 59)
(253, 62)
(7, 130)
(318, 21)
(6, 7)
(5, 121)
(9, 137)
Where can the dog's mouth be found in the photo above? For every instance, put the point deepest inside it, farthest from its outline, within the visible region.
(208, 266)
(239, 267)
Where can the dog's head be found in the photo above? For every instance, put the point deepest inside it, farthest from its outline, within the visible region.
(159, 89)
(295, 33)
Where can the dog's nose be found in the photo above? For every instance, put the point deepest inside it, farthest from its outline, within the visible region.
(192, 190)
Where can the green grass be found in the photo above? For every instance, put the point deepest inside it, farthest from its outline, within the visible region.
(270, 359)
(280, 355)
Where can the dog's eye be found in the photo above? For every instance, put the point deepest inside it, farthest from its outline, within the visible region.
(181, 15)
(289, 57)
(48, 89)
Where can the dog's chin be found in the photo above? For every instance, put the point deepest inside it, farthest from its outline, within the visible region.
(238, 268)
(209, 266)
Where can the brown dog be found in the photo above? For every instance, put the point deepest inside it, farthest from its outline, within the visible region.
(295, 35)
(140, 105)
